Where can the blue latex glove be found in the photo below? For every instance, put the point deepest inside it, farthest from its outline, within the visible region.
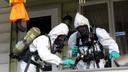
(114, 55)
(69, 62)
(74, 51)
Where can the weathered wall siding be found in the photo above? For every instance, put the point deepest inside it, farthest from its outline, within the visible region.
(4, 58)
(5, 27)
(4, 39)
(4, 68)
(4, 47)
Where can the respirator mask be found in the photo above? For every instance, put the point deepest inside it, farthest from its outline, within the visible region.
(83, 30)
(59, 43)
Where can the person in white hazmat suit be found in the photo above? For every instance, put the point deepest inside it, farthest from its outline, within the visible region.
(42, 45)
(83, 44)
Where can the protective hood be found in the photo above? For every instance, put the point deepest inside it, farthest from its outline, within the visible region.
(61, 29)
(80, 20)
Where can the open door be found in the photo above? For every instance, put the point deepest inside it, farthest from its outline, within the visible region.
(43, 23)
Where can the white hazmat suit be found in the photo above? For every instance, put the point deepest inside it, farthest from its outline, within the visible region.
(42, 45)
(103, 37)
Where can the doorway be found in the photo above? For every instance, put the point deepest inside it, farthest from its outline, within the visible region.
(43, 23)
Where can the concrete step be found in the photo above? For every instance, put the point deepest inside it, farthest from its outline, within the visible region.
(115, 69)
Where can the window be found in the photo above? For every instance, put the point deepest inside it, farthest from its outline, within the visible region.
(97, 15)
(121, 25)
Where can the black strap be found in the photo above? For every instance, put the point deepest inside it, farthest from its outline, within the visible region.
(77, 44)
(116, 64)
(28, 63)
(28, 60)
(49, 41)
(38, 66)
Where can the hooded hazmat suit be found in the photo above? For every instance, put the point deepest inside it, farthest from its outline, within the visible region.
(42, 45)
(103, 38)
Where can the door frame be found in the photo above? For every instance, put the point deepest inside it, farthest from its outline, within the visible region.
(54, 13)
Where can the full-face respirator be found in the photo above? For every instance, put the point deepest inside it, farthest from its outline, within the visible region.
(59, 44)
